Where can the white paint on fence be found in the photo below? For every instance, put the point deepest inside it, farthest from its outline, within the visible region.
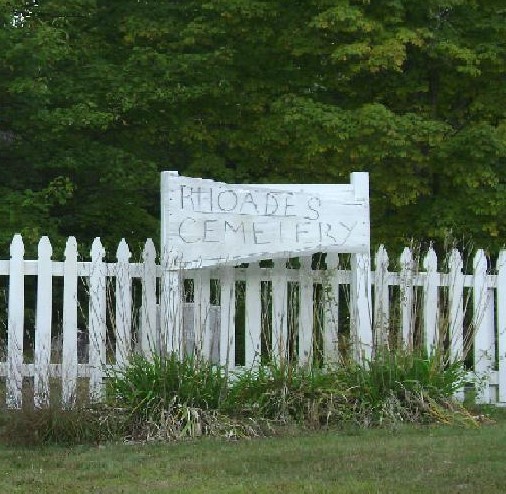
(483, 323)
(109, 305)
(149, 338)
(279, 311)
(407, 329)
(501, 323)
(331, 309)
(381, 299)
(70, 305)
(361, 307)
(43, 324)
(306, 311)
(227, 331)
(253, 316)
(16, 323)
(123, 321)
(430, 301)
(456, 305)
(97, 320)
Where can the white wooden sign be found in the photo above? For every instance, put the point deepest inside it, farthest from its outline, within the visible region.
(207, 223)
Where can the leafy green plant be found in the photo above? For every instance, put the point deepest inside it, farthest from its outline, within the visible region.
(146, 387)
(171, 398)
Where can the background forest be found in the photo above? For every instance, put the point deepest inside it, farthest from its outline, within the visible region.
(97, 97)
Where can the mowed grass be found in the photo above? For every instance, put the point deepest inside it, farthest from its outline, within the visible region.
(411, 459)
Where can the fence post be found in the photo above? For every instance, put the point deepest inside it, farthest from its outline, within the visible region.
(483, 324)
(69, 346)
(97, 319)
(381, 299)
(430, 302)
(150, 342)
(360, 293)
(43, 323)
(123, 304)
(15, 324)
(171, 303)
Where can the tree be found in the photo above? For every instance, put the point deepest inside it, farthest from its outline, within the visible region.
(255, 91)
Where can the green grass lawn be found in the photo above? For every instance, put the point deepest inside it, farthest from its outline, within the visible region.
(434, 460)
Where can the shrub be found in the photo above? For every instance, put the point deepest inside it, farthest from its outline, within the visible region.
(146, 387)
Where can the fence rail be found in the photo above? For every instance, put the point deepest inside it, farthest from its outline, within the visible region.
(69, 321)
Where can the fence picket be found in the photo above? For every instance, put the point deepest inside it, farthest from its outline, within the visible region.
(483, 339)
(201, 310)
(456, 305)
(279, 311)
(331, 307)
(43, 323)
(360, 307)
(123, 305)
(15, 324)
(430, 302)
(406, 299)
(501, 323)
(171, 307)
(149, 338)
(97, 320)
(381, 298)
(227, 331)
(306, 308)
(253, 319)
(69, 345)
(456, 311)
(488, 294)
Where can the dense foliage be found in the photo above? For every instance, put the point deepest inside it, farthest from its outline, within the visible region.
(97, 97)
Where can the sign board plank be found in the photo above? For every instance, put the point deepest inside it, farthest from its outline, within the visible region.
(207, 223)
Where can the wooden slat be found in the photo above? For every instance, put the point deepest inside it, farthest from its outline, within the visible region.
(279, 311)
(227, 331)
(123, 305)
(97, 320)
(202, 304)
(501, 323)
(15, 324)
(306, 308)
(43, 321)
(69, 347)
(381, 298)
(406, 299)
(456, 305)
(253, 320)
(150, 341)
(430, 302)
(360, 307)
(171, 307)
(331, 308)
(482, 320)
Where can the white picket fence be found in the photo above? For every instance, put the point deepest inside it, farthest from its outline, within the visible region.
(91, 315)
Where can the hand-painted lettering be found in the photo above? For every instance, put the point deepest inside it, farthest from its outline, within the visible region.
(185, 237)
